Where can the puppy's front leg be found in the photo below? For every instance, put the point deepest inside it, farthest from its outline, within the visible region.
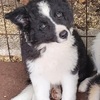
(41, 88)
(69, 86)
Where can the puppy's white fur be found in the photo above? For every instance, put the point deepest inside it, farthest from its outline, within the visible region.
(52, 68)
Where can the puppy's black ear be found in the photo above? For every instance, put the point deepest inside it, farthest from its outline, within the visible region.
(19, 17)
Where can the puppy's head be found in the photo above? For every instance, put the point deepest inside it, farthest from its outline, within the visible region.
(44, 21)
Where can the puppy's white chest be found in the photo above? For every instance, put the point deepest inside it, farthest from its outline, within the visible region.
(55, 62)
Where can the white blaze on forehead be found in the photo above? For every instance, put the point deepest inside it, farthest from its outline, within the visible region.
(44, 8)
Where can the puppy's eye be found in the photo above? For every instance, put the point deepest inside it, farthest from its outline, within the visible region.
(59, 14)
(42, 26)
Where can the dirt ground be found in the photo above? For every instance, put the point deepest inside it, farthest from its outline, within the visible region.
(13, 79)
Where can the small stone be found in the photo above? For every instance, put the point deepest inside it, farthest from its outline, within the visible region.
(5, 96)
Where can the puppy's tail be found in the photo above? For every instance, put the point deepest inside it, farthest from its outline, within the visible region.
(26, 94)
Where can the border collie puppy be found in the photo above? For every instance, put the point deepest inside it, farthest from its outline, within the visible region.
(54, 53)
(91, 85)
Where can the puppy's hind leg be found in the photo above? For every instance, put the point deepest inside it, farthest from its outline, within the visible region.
(26, 94)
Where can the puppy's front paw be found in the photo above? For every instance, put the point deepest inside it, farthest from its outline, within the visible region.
(83, 86)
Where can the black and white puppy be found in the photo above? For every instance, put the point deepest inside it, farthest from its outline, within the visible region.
(54, 53)
(91, 85)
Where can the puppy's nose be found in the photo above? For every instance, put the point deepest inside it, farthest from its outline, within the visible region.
(63, 34)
